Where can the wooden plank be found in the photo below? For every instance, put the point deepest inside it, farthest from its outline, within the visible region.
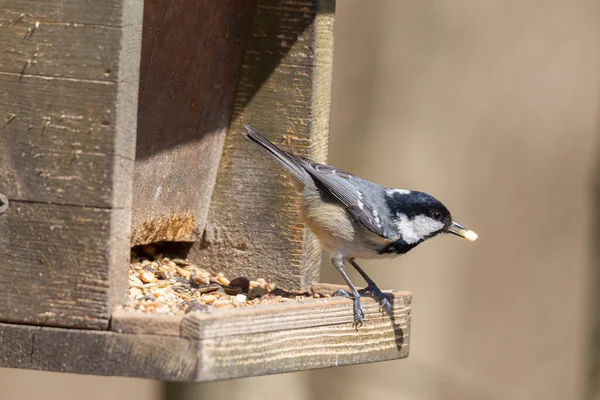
(287, 31)
(253, 227)
(159, 354)
(139, 322)
(98, 352)
(67, 146)
(107, 12)
(64, 49)
(54, 265)
(192, 54)
(287, 316)
(259, 319)
(301, 349)
(59, 147)
(204, 325)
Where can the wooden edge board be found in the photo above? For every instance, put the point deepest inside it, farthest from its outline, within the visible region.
(145, 323)
(302, 349)
(176, 358)
(261, 319)
(287, 316)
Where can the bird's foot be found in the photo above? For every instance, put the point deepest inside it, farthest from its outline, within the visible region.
(384, 302)
(359, 314)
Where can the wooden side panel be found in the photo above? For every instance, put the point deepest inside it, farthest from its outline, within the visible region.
(69, 75)
(288, 316)
(191, 57)
(302, 349)
(254, 227)
(138, 322)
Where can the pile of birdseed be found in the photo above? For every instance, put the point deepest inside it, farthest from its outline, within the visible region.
(175, 286)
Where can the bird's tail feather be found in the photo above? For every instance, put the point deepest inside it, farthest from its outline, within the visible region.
(283, 157)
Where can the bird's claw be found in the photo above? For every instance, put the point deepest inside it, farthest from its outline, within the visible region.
(359, 314)
(384, 302)
(342, 293)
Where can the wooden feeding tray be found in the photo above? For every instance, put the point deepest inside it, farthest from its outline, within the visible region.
(121, 128)
(223, 344)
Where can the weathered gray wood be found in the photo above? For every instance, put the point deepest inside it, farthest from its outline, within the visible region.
(286, 316)
(67, 143)
(58, 48)
(253, 226)
(97, 352)
(261, 319)
(192, 53)
(301, 349)
(55, 265)
(153, 350)
(59, 147)
(92, 12)
(138, 322)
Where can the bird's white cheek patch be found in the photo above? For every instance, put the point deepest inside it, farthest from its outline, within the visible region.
(418, 228)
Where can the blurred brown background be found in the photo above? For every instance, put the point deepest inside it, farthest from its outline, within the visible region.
(491, 106)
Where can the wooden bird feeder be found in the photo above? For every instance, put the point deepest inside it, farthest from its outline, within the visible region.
(119, 126)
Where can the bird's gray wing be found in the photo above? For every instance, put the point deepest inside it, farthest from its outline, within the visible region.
(342, 185)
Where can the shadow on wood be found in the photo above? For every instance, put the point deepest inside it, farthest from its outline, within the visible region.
(254, 227)
(191, 56)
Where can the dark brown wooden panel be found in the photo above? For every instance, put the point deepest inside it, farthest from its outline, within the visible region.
(191, 56)
(254, 227)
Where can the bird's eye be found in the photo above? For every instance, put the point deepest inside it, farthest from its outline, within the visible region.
(437, 215)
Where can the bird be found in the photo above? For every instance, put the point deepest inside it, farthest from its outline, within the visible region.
(354, 218)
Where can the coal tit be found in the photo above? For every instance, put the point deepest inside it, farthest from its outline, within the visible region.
(355, 218)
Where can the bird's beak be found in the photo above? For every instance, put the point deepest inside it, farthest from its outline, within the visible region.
(459, 230)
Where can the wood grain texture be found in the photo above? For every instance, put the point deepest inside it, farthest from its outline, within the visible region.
(138, 322)
(59, 147)
(58, 49)
(301, 349)
(254, 227)
(192, 54)
(142, 345)
(67, 144)
(54, 269)
(286, 316)
(261, 319)
(97, 352)
(92, 12)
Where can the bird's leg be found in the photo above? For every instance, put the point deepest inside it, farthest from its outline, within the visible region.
(384, 303)
(359, 315)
